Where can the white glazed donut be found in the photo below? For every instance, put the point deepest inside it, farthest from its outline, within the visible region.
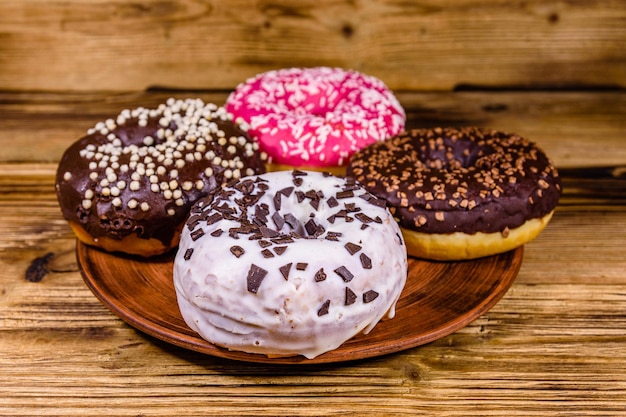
(288, 263)
(316, 118)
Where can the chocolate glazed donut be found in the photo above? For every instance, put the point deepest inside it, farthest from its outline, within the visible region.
(461, 193)
(129, 184)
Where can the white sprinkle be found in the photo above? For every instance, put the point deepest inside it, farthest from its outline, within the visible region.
(67, 176)
(208, 172)
(187, 185)
(132, 204)
(117, 202)
(145, 206)
(86, 204)
(154, 188)
(134, 185)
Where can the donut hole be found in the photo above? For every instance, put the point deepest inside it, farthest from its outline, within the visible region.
(450, 154)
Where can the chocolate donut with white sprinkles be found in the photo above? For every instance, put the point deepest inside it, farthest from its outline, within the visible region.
(461, 193)
(288, 263)
(127, 186)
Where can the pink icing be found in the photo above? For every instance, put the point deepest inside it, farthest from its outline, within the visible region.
(316, 117)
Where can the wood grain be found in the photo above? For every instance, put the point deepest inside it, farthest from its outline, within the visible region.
(553, 345)
(575, 129)
(80, 45)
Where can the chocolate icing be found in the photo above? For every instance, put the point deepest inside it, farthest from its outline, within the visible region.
(468, 180)
(140, 174)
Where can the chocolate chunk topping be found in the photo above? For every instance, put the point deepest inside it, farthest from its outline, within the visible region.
(188, 254)
(366, 262)
(264, 243)
(297, 181)
(300, 196)
(266, 232)
(217, 233)
(284, 270)
(320, 275)
(332, 202)
(237, 250)
(286, 191)
(369, 296)
(277, 201)
(350, 297)
(324, 308)
(197, 234)
(301, 266)
(363, 217)
(313, 229)
(292, 221)
(344, 194)
(352, 248)
(298, 173)
(278, 220)
(214, 218)
(267, 253)
(334, 236)
(280, 250)
(344, 273)
(256, 275)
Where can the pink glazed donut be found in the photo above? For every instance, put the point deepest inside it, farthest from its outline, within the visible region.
(315, 118)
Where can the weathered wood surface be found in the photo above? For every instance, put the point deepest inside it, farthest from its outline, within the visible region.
(85, 45)
(554, 345)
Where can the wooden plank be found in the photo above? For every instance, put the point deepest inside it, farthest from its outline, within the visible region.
(575, 129)
(79, 45)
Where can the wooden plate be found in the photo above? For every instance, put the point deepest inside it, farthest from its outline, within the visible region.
(438, 299)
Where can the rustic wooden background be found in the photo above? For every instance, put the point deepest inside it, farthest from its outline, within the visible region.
(553, 70)
(120, 45)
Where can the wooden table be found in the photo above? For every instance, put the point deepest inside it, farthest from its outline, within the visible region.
(554, 345)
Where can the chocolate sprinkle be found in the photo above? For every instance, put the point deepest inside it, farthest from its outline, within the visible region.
(352, 248)
(256, 275)
(197, 234)
(369, 296)
(280, 250)
(237, 251)
(350, 297)
(332, 202)
(344, 273)
(320, 275)
(264, 243)
(324, 308)
(366, 262)
(284, 270)
(188, 254)
(344, 194)
(278, 220)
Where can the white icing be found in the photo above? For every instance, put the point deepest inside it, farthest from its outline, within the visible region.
(281, 317)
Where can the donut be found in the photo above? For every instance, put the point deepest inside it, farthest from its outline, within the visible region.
(288, 263)
(128, 185)
(315, 118)
(461, 193)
